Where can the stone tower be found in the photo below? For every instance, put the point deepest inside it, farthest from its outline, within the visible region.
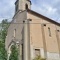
(21, 5)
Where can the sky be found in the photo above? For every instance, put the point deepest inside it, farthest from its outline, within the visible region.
(48, 8)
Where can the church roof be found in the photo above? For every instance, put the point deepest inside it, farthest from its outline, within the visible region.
(44, 17)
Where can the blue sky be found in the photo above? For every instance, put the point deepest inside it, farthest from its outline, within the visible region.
(49, 8)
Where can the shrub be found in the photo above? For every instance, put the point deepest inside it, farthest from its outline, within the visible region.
(39, 58)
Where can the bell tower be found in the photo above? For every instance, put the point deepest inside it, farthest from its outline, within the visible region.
(21, 5)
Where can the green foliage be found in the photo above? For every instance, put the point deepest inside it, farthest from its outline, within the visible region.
(39, 58)
(14, 53)
(3, 32)
(5, 25)
(3, 54)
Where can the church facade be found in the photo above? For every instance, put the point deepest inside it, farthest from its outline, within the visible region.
(34, 34)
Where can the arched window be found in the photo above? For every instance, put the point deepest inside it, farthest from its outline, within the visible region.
(26, 6)
(49, 31)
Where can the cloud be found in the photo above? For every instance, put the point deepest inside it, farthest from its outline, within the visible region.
(49, 8)
(6, 9)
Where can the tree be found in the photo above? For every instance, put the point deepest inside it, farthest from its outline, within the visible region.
(14, 53)
(0, 31)
(3, 32)
(5, 25)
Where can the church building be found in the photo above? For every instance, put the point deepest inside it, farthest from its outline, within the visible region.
(33, 33)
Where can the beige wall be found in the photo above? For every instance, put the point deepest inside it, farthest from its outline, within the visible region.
(35, 31)
(17, 24)
(51, 42)
(36, 36)
(22, 4)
